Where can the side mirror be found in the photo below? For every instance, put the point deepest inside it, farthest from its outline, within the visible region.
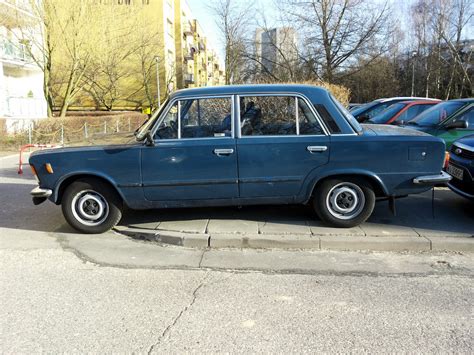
(457, 124)
(149, 141)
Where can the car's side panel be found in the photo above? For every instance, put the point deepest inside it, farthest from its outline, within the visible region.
(277, 166)
(119, 165)
(405, 158)
(190, 169)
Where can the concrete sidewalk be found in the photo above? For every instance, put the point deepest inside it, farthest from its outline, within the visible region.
(414, 228)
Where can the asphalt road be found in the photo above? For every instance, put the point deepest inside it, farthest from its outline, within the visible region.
(54, 299)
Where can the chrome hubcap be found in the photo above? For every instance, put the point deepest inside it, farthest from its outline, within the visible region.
(90, 208)
(345, 200)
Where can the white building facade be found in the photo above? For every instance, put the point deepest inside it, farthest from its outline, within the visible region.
(21, 79)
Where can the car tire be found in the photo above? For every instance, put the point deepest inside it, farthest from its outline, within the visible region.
(91, 206)
(344, 203)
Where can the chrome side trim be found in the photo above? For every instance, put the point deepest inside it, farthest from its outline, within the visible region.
(443, 177)
(40, 192)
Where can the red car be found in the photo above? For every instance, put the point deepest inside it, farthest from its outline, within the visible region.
(401, 112)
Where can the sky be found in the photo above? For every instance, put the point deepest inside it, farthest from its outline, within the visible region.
(205, 17)
(202, 12)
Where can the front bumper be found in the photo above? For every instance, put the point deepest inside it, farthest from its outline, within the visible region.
(40, 195)
(441, 178)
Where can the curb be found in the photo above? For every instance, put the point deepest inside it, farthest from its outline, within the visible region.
(301, 241)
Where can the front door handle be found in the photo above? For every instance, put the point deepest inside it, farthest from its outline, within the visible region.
(223, 152)
(316, 148)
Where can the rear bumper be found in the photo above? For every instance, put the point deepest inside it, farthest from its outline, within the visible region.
(440, 178)
(40, 195)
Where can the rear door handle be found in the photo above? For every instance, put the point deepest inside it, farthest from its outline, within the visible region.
(223, 152)
(316, 148)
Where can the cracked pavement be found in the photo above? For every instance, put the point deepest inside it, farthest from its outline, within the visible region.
(65, 292)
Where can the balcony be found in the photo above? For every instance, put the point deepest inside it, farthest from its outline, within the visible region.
(189, 78)
(15, 51)
(25, 107)
(188, 29)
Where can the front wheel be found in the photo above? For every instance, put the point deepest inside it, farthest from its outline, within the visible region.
(344, 202)
(91, 206)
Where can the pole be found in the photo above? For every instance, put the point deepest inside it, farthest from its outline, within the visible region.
(105, 127)
(85, 130)
(62, 134)
(413, 74)
(158, 80)
(29, 133)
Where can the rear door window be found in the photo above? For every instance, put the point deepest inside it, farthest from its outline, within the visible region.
(277, 116)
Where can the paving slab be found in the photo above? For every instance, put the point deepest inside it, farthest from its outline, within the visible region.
(188, 225)
(327, 261)
(266, 241)
(232, 226)
(299, 227)
(318, 228)
(114, 249)
(375, 243)
(387, 230)
(427, 232)
(461, 244)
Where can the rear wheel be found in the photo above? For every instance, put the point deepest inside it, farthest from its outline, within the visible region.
(91, 206)
(344, 202)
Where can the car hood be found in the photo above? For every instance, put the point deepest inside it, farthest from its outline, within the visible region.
(389, 130)
(108, 143)
(469, 141)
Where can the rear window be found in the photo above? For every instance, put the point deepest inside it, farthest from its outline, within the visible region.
(347, 115)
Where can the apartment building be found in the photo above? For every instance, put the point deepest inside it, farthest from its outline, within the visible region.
(21, 80)
(275, 46)
(197, 63)
(184, 58)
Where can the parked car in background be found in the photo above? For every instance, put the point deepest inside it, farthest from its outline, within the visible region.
(449, 120)
(367, 111)
(402, 112)
(242, 145)
(353, 106)
(461, 167)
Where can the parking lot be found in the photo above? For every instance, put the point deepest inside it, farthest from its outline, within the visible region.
(63, 291)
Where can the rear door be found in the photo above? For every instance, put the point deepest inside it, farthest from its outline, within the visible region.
(194, 157)
(280, 142)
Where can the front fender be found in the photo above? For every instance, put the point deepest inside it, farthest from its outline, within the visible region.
(55, 197)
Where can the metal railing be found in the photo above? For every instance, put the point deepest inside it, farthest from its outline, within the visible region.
(15, 51)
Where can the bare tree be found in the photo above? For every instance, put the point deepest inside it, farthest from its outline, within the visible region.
(335, 31)
(233, 19)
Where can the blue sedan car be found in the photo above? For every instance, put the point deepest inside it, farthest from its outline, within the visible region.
(461, 167)
(242, 145)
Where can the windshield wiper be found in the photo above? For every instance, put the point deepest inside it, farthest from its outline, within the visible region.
(412, 123)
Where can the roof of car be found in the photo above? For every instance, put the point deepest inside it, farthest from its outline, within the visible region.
(255, 88)
(469, 99)
(421, 102)
(405, 98)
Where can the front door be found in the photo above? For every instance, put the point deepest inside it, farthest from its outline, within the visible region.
(194, 157)
(281, 143)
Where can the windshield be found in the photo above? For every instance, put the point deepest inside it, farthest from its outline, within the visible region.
(436, 114)
(146, 126)
(360, 110)
(352, 121)
(387, 114)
